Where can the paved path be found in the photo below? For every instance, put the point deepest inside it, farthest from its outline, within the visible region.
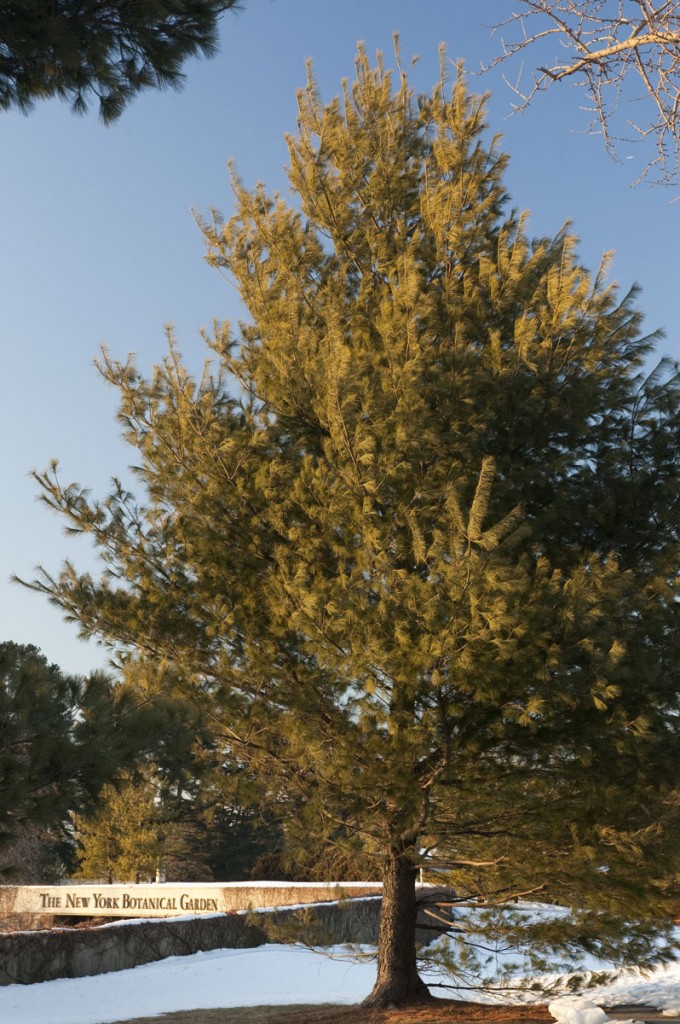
(630, 1011)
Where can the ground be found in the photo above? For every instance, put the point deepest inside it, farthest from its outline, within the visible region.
(442, 1012)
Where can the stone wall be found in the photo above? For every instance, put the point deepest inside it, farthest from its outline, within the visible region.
(29, 957)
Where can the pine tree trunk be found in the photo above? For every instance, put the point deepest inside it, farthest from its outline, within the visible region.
(398, 982)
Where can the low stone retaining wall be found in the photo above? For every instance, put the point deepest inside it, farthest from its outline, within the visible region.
(29, 957)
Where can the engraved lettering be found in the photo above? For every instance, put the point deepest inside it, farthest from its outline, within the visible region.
(197, 903)
(77, 901)
(48, 902)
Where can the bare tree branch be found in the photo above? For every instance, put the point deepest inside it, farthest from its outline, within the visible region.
(621, 52)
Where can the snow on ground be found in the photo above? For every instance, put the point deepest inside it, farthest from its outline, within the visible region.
(272, 974)
(575, 1010)
(227, 977)
(660, 988)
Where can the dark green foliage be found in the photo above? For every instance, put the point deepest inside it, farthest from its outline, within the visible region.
(313, 863)
(420, 570)
(37, 717)
(205, 799)
(111, 49)
(236, 841)
(61, 738)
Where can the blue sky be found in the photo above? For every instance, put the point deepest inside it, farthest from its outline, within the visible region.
(99, 245)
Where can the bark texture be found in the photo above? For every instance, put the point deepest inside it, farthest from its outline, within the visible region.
(398, 983)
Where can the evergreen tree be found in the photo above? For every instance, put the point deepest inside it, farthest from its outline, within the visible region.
(421, 568)
(61, 738)
(111, 49)
(204, 812)
(121, 839)
(137, 832)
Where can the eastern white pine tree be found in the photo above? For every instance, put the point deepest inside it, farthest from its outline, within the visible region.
(109, 49)
(412, 538)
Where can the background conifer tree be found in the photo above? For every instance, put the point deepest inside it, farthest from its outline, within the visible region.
(411, 541)
(122, 839)
(110, 49)
(205, 803)
(61, 739)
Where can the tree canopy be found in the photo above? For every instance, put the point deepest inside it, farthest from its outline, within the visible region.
(109, 49)
(411, 540)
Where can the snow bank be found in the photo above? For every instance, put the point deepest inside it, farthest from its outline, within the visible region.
(273, 975)
(574, 1010)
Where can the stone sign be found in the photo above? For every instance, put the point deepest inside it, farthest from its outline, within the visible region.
(171, 899)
